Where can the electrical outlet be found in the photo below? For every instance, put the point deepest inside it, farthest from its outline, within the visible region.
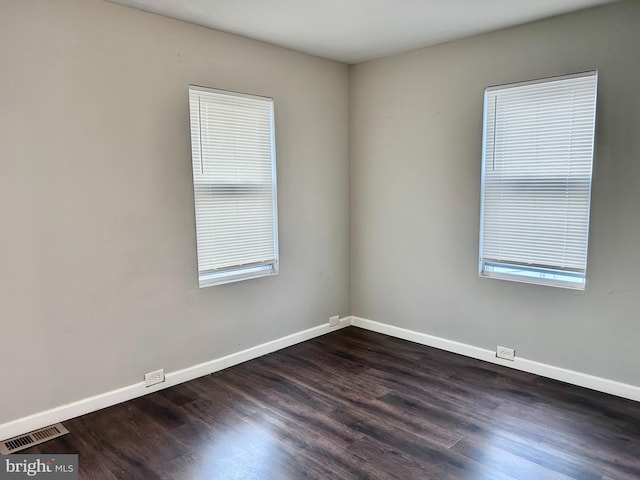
(152, 378)
(335, 320)
(505, 352)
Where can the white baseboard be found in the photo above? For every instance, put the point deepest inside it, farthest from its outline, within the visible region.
(107, 399)
(600, 384)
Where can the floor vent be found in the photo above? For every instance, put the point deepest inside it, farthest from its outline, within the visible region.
(30, 439)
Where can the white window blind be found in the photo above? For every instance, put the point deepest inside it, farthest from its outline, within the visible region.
(536, 187)
(234, 178)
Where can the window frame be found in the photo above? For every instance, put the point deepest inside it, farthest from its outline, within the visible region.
(521, 271)
(236, 272)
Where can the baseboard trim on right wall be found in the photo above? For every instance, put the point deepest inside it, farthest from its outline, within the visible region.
(580, 379)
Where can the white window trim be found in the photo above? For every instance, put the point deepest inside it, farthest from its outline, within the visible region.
(487, 267)
(236, 273)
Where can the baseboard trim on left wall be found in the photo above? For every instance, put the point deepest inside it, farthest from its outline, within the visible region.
(113, 397)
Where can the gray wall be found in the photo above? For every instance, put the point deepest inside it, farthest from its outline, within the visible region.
(97, 246)
(416, 125)
(98, 281)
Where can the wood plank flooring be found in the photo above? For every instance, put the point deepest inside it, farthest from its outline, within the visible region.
(359, 405)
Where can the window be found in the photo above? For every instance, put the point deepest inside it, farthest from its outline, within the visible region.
(234, 182)
(536, 180)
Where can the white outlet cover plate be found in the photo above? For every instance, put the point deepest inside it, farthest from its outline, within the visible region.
(333, 321)
(152, 378)
(505, 352)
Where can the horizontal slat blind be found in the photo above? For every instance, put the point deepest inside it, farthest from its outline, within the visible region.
(234, 181)
(538, 155)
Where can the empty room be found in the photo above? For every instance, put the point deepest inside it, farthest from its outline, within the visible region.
(348, 239)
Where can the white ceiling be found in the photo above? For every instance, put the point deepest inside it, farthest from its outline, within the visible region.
(353, 31)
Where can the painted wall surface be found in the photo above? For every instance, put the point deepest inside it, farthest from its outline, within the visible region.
(416, 128)
(98, 280)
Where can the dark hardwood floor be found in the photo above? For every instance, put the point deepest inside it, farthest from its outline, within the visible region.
(358, 405)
